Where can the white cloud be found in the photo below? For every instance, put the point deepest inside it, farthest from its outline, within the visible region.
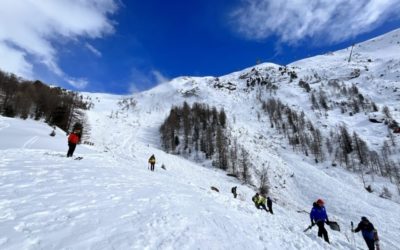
(29, 30)
(294, 20)
(12, 60)
(141, 79)
(159, 77)
(93, 49)
(78, 83)
(133, 88)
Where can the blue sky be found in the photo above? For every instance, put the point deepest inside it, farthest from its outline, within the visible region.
(124, 46)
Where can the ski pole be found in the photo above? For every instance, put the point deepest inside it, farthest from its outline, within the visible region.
(347, 237)
(352, 232)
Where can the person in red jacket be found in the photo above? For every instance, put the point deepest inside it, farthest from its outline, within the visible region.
(73, 139)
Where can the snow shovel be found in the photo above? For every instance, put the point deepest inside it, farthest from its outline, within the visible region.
(334, 225)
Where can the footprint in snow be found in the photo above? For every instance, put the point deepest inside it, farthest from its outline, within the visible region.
(7, 214)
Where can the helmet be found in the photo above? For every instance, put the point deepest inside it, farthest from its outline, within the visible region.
(364, 218)
(320, 202)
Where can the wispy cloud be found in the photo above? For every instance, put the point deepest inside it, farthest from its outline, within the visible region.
(142, 79)
(93, 49)
(13, 60)
(30, 29)
(295, 20)
(79, 83)
(159, 77)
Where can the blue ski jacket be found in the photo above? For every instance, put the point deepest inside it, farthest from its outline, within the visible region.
(318, 214)
(367, 230)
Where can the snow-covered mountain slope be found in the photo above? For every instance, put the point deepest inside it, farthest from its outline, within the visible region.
(29, 134)
(110, 200)
(105, 201)
(378, 61)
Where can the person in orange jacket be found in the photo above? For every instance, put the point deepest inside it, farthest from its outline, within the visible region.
(73, 139)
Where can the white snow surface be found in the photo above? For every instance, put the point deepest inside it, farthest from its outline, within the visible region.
(110, 200)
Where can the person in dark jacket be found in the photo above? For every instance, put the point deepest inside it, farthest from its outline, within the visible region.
(368, 232)
(319, 216)
(269, 205)
(234, 191)
(73, 139)
(152, 162)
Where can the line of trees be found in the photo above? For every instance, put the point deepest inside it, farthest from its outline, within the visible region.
(302, 135)
(201, 131)
(343, 147)
(351, 100)
(34, 99)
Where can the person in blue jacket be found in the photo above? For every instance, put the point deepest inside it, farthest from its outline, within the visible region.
(368, 232)
(318, 216)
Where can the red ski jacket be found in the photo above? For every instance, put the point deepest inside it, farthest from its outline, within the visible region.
(73, 138)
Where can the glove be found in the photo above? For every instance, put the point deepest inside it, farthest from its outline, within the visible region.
(312, 223)
(352, 230)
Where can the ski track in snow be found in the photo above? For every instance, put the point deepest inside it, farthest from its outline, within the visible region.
(30, 142)
(3, 124)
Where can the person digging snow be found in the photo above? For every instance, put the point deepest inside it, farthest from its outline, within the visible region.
(73, 139)
(259, 201)
(152, 162)
(319, 216)
(368, 232)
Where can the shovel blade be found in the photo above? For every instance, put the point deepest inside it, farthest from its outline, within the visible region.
(334, 226)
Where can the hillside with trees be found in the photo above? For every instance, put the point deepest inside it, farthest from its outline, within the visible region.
(36, 100)
(340, 146)
(200, 132)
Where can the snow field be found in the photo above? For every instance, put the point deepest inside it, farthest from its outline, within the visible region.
(49, 201)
